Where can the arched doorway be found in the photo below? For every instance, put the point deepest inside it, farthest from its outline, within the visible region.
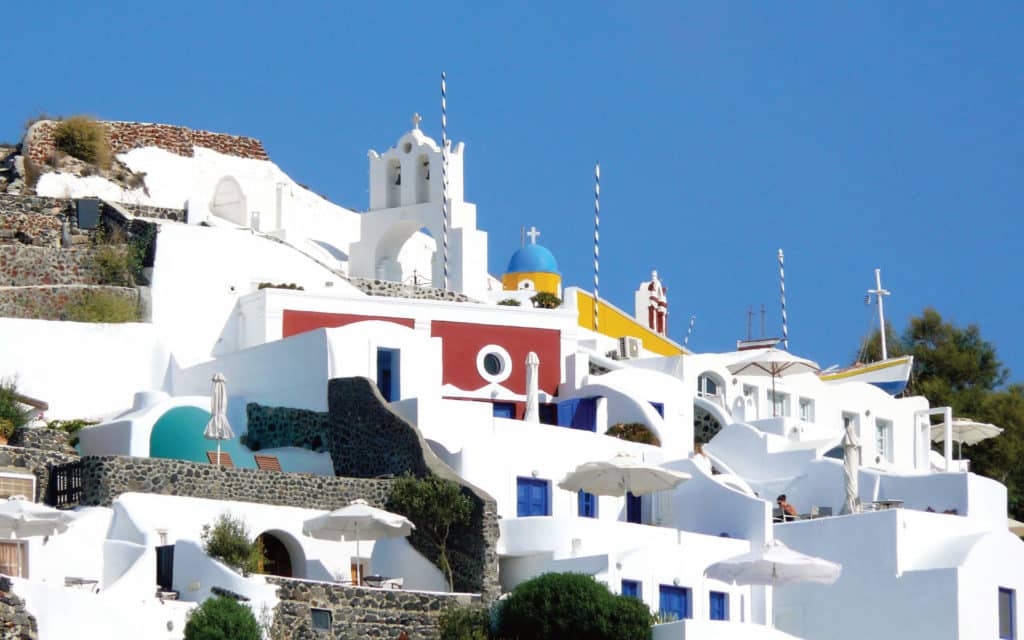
(229, 202)
(281, 555)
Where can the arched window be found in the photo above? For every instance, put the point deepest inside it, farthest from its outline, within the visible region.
(422, 178)
(711, 387)
(393, 183)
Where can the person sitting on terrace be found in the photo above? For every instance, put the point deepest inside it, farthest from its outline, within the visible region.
(788, 510)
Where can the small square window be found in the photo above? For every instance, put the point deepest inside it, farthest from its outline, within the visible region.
(1007, 623)
(632, 589)
(321, 619)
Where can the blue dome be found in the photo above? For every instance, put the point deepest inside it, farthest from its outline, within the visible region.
(532, 258)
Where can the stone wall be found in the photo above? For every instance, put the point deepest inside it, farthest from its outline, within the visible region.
(104, 478)
(33, 219)
(22, 265)
(367, 439)
(50, 302)
(388, 289)
(38, 462)
(358, 613)
(43, 439)
(147, 211)
(16, 623)
(38, 145)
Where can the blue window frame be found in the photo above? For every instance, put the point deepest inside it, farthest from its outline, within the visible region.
(632, 589)
(587, 503)
(387, 373)
(578, 413)
(504, 410)
(719, 606)
(1007, 621)
(532, 497)
(634, 509)
(659, 407)
(674, 601)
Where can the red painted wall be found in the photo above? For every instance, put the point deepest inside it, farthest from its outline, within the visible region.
(301, 321)
(462, 341)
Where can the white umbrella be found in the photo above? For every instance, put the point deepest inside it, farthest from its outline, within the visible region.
(774, 564)
(621, 475)
(532, 413)
(20, 518)
(851, 463)
(774, 363)
(360, 521)
(218, 428)
(966, 431)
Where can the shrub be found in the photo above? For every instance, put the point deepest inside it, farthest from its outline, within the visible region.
(115, 264)
(510, 302)
(84, 138)
(13, 413)
(545, 300)
(102, 306)
(564, 606)
(465, 623)
(435, 505)
(633, 432)
(220, 618)
(70, 427)
(228, 540)
(6, 428)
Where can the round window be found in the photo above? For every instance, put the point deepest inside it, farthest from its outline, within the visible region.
(493, 363)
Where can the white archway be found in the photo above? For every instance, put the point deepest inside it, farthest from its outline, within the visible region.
(229, 202)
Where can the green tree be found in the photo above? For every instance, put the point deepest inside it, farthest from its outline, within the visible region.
(220, 618)
(435, 505)
(955, 367)
(12, 411)
(571, 606)
(227, 540)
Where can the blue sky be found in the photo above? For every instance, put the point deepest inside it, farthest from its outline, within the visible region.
(858, 136)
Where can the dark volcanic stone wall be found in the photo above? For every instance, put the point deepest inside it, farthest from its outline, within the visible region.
(270, 427)
(42, 438)
(16, 623)
(49, 302)
(357, 613)
(104, 478)
(22, 265)
(35, 461)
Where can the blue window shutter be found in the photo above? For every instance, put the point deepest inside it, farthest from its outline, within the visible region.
(675, 601)
(532, 497)
(634, 509)
(631, 588)
(587, 504)
(567, 411)
(523, 498)
(719, 605)
(586, 415)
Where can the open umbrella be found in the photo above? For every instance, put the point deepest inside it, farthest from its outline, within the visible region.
(851, 463)
(621, 475)
(774, 363)
(532, 413)
(774, 564)
(359, 521)
(218, 428)
(966, 431)
(20, 518)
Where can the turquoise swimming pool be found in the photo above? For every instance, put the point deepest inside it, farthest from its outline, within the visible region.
(178, 434)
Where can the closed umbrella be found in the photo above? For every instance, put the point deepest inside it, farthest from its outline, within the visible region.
(532, 413)
(20, 518)
(774, 363)
(218, 428)
(621, 475)
(359, 521)
(851, 464)
(774, 564)
(966, 431)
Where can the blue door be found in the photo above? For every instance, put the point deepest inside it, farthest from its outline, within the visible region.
(387, 373)
(631, 588)
(634, 509)
(674, 602)
(578, 413)
(504, 410)
(587, 504)
(532, 497)
(719, 606)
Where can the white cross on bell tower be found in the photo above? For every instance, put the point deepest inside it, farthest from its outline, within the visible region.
(534, 234)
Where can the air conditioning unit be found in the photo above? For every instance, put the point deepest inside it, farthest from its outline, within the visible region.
(629, 347)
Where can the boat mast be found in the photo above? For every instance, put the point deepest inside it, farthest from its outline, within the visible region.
(879, 292)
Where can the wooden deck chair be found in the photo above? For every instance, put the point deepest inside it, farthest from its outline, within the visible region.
(267, 463)
(225, 458)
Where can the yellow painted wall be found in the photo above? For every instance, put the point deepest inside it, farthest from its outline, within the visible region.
(546, 282)
(615, 323)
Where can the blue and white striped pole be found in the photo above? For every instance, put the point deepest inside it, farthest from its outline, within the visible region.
(597, 237)
(444, 179)
(782, 294)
